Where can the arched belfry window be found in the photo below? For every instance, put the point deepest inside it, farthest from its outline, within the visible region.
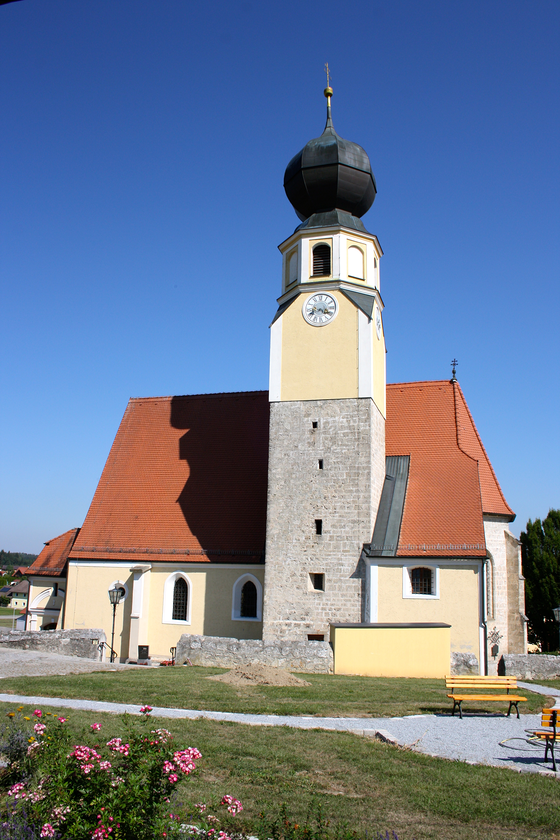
(248, 600)
(180, 600)
(321, 260)
(355, 262)
(293, 268)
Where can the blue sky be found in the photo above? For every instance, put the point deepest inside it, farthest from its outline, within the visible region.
(142, 152)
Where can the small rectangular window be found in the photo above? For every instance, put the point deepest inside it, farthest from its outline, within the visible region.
(320, 463)
(55, 590)
(314, 424)
(315, 637)
(317, 581)
(318, 526)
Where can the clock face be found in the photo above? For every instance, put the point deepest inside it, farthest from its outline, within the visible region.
(378, 324)
(319, 309)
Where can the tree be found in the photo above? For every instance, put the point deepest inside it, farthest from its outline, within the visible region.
(540, 547)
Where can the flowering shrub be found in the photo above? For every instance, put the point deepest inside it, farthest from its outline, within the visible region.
(117, 788)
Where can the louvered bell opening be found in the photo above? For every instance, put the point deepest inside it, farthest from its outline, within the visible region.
(321, 261)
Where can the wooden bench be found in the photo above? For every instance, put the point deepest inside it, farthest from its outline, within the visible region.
(461, 689)
(548, 733)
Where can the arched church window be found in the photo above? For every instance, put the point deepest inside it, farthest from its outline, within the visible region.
(355, 262)
(421, 581)
(180, 600)
(248, 600)
(321, 260)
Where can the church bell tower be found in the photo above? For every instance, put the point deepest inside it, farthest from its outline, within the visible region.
(327, 395)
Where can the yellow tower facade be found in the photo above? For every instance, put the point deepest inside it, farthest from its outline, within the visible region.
(327, 339)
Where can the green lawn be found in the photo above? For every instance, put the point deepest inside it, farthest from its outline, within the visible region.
(368, 785)
(6, 616)
(186, 687)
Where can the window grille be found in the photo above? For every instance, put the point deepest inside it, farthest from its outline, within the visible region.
(321, 260)
(180, 597)
(421, 581)
(248, 600)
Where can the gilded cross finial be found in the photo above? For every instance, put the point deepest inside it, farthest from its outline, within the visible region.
(328, 89)
(454, 364)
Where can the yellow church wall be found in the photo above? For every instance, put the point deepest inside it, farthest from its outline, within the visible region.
(379, 374)
(458, 603)
(88, 605)
(320, 362)
(391, 651)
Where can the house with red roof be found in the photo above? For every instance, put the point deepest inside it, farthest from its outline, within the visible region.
(330, 504)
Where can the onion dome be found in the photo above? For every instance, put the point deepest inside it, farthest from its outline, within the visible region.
(330, 174)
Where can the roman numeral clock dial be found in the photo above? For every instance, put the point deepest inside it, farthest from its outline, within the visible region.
(319, 309)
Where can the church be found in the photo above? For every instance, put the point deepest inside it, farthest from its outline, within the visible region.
(332, 513)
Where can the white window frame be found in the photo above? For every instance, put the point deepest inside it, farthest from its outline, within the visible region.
(236, 598)
(168, 590)
(407, 581)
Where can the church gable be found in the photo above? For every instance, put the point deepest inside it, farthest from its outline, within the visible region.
(185, 480)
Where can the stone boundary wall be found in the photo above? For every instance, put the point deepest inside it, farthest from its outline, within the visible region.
(463, 664)
(529, 666)
(66, 642)
(303, 657)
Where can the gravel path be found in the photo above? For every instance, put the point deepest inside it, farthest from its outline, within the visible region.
(478, 739)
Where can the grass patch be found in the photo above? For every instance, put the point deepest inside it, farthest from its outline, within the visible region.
(367, 785)
(327, 696)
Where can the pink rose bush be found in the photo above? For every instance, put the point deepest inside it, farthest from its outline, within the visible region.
(113, 789)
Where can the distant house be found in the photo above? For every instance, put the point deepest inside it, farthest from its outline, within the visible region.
(18, 595)
(47, 582)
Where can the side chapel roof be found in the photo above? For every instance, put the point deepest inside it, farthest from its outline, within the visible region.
(186, 479)
(52, 559)
(451, 483)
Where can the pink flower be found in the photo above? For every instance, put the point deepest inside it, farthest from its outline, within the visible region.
(234, 805)
(47, 830)
(39, 728)
(38, 713)
(95, 726)
(18, 791)
(105, 765)
(173, 778)
(146, 709)
(63, 720)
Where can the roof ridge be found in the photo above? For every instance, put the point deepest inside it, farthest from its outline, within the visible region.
(194, 396)
(59, 537)
(419, 382)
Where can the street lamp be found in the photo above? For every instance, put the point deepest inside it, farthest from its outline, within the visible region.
(115, 596)
(556, 612)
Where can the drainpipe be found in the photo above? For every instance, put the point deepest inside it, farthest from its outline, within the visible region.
(483, 614)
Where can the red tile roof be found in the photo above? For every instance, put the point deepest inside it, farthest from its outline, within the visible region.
(52, 559)
(451, 482)
(186, 479)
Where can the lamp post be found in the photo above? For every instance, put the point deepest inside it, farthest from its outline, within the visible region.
(556, 612)
(115, 596)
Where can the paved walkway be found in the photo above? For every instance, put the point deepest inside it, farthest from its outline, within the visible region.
(478, 739)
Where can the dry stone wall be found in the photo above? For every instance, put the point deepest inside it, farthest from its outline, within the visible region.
(221, 652)
(529, 666)
(82, 643)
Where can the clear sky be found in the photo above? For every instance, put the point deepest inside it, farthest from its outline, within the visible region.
(142, 152)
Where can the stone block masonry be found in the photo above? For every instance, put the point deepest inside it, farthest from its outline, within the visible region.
(82, 643)
(221, 652)
(326, 472)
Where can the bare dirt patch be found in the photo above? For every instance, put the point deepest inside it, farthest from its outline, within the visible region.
(258, 675)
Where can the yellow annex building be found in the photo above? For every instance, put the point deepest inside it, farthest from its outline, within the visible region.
(332, 523)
